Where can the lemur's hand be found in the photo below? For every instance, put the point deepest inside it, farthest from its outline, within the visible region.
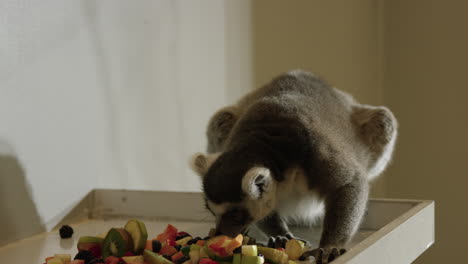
(323, 255)
(280, 241)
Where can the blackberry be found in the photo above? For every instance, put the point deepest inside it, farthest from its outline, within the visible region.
(182, 259)
(85, 255)
(182, 236)
(177, 247)
(238, 250)
(66, 231)
(206, 238)
(156, 246)
(193, 240)
(167, 257)
(95, 261)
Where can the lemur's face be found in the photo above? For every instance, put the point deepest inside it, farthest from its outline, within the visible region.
(236, 200)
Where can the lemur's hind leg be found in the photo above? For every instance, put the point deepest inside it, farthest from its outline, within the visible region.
(220, 126)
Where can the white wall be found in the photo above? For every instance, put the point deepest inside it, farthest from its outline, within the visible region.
(108, 94)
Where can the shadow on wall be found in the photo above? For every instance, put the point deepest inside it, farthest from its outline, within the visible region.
(19, 217)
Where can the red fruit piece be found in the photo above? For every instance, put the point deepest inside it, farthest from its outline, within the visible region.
(168, 250)
(219, 250)
(177, 256)
(77, 261)
(129, 254)
(201, 243)
(96, 251)
(170, 233)
(112, 260)
(207, 261)
(171, 242)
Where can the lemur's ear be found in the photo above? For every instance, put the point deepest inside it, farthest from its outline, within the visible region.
(256, 182)
(200, 162)
(377, 125)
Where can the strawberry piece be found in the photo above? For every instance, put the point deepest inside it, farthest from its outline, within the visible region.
(169, 233)
(177, 256)
(168, 250)
(171, 242)
(219, 250)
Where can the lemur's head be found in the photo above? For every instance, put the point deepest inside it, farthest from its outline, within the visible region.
(236, 192)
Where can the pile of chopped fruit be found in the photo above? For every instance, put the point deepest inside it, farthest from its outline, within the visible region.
(130, 245)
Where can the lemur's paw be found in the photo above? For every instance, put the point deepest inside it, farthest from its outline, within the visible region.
(323, 255)
(280, 241)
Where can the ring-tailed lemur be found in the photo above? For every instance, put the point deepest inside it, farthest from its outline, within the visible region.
(298, 148)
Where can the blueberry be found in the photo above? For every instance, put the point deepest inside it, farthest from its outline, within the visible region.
(66, 231)
(193, 240)
(95, 261)
(85, 255)
(156, 246)
(182, 259)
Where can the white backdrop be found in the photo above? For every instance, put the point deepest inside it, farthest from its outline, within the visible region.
(110, 94)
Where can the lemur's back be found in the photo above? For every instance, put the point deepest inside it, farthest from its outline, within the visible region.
(322, 111)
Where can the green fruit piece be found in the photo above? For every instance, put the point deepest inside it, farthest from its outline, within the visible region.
(194, 256)
(185, 250)
(195, 247)
(252, 260)
(137, 231)
(115, 244)
(134, 259)
(64, 257)
(87, 242)
(153, 258)
(249, 250)
(236, 258)
(55, 261)
(292, 262)
(203, 253)
(184, 240)
(273, 256)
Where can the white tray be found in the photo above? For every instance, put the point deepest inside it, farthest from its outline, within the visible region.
(394, 231)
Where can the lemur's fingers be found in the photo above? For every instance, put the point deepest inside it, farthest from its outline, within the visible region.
(323, 256)
(271, 242)
(281, 242)
(290, 236)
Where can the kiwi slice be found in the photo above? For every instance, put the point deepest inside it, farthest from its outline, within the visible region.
(137, 231)
(115, 243)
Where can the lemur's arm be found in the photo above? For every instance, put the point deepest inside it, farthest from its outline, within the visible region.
(273, 225)
(344, 209)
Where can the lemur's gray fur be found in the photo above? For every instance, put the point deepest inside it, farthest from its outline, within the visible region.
(294, 148)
